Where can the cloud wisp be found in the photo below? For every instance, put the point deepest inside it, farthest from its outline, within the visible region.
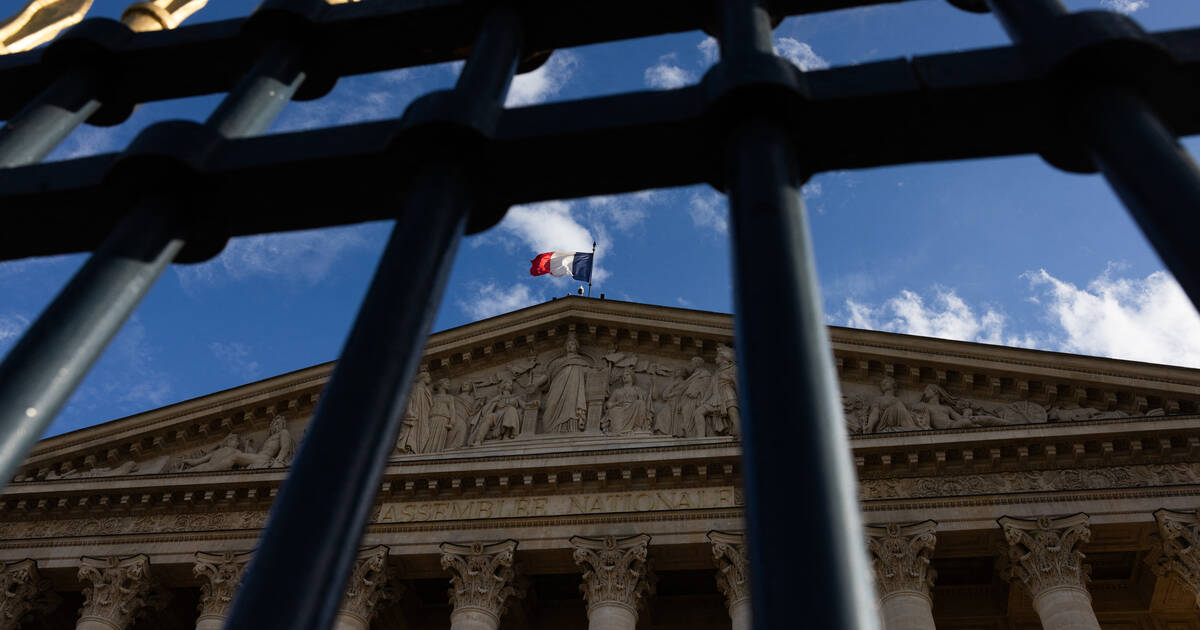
(545, 82)
(235, 357)
(491, 299)
(304, 257)
(668, 72)
(1125, 6)
(1140, 319)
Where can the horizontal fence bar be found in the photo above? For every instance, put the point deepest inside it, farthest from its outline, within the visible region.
(975, 104)
(362, 37)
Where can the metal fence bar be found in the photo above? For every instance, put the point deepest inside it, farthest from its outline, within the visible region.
(1139, 156)
(52, 357)
(34, 132)
(325, 503)
(798, 477)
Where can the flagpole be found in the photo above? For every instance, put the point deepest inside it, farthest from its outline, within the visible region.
(589, 293)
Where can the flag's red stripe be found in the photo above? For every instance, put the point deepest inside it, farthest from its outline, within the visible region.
(540, 265)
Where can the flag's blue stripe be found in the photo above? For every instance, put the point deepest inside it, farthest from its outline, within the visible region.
(581, 267)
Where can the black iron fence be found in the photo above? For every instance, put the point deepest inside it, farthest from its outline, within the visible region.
(1087, 91)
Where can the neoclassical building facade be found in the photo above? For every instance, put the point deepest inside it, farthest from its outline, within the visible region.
(575, 464)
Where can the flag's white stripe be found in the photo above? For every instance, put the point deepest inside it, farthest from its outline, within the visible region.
(561, 263)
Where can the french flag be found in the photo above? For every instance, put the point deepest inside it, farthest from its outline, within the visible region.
(578, 265)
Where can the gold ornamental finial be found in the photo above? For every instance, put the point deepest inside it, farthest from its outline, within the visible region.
(159, 15)
(39, 22)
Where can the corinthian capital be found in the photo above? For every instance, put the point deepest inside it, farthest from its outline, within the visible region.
(221, 575)
(368, 585)
(115, 589)
(1179, 553)
(614, 570)
(900, 557)
(23, 591)
(733, 566)
(482, 577)
(1045, 552)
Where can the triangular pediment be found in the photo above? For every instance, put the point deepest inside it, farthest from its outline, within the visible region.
(580, 373)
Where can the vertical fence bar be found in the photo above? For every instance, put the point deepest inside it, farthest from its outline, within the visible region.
(52, 357)
(45, 122)
(1141, 159)
(299, 571)
(800, 484)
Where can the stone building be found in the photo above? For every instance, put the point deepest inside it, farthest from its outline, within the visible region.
(575, 464)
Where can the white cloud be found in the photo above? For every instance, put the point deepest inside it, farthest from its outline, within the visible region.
(666, 74)
(625, 211)
(947, 317)
(1141, 319)
(708, 210)
(11, 327)
(552, 226)
(710, 51)
(1125, 6)
(1148, 319)
(235, 357)
(547, 81)
(799, 53)
(126, 380)
(489, 300)
(305, 257)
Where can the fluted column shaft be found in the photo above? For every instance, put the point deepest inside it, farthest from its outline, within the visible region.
(900, 556)
(733, 576)
(616, 578)
(1046, 558)
(482, 583)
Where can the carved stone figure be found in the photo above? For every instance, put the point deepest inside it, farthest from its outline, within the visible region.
(416, 415)
(115, 591)
(933, 413)
(1058, 414)
(888, 412)
(566, 401)
(627, 409)
(500, 418)
(688, 398)
(465, 411)
(854, 411)
(724, 412)
(228, 456)
(441, 418)
(482, 581)
(220, 577)
(23, 592)
(616, 578)
(279, 447)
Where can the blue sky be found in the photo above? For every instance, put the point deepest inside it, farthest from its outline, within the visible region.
(1004, 251)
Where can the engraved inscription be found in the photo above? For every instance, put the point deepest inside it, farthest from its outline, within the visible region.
(558, 505)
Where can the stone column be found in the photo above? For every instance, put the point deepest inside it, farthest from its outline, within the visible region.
(367, 587)
(733, 575)
(1045, 557)
(615, 579)
(900, 559)
(1179, 552)
(23, 593)
(482, 582)
(220, 577)
(115, 591)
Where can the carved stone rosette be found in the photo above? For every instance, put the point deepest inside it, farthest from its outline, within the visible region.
(733, 566)
(1179, 554)
(22, 592)
(115, 590)
(900, 557)
(482, 580)
(221, 575)
(615, 571)
(368, 585)
(1045, 552)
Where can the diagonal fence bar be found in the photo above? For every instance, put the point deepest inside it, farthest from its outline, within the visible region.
(52, 357)
(325, 502)
(799, 481)
(1140, 157)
